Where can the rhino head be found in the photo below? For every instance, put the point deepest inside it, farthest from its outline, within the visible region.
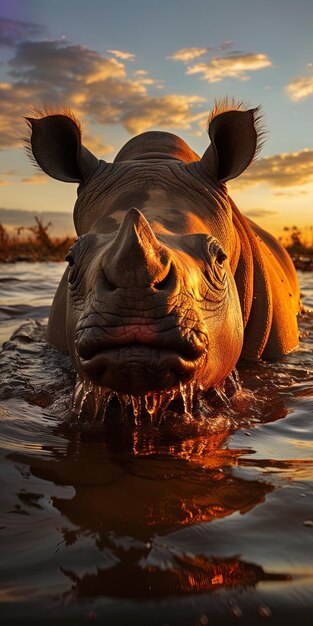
(149, 301)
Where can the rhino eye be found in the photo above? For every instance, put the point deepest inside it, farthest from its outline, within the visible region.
(220, 257)
(70, 258)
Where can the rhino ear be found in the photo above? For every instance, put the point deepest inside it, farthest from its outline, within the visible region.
(55, 144)
(234, 143)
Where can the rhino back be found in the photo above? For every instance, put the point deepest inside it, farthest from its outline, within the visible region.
(268, 291)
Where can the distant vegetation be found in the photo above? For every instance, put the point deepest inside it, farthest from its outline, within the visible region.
(32, 243)
(299, 244)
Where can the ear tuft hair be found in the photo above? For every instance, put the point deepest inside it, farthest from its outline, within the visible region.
(38, 113)
(231, 104)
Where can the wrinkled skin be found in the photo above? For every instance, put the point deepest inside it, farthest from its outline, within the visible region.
(167, 282)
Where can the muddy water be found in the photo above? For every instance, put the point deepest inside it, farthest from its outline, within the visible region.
(143, 524)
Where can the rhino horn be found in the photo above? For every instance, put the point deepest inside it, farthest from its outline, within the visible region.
(135, 257)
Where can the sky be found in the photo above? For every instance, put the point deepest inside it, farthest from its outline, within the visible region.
(127, 66)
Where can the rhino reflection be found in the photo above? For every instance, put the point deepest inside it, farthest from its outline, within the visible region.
(187, 575)
(133, 495)
(117, 525)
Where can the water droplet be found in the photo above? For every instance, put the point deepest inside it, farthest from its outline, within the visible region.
(152, 404)
(264, 611)
(136, 404)
(124, 401)
(90, 401)
(236, 611)
(187, 397)
(237, 379)
(222, 396)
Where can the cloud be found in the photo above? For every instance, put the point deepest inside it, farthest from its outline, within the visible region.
(259, 213)
(225, 45)
(14, 31)
(96, 145)
(187, 54)
(168, 111)
(97, 88)
(125, 56)
(56, 64)
(281, 170)
(300, 87)
(292, 194)
(35, 179)
(235, 65)
(11, 172)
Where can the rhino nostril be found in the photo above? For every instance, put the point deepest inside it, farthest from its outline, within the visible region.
(167, 281)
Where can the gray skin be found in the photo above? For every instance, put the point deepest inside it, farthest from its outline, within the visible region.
(167, 282)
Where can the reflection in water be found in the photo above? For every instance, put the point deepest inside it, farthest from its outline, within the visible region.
(134, 496)
(187, 575)
(124, 508)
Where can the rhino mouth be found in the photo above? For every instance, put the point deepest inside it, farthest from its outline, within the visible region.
(137, 369)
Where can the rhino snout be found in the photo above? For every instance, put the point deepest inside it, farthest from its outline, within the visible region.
(139, 357)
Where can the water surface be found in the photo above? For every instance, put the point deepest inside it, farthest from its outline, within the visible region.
(137, 526)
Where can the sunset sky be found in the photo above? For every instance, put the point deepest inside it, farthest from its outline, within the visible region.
(127, 66)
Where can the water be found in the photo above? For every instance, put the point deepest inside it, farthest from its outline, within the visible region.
(151, 521)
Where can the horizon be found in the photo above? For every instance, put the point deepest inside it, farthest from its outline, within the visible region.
(121, 78)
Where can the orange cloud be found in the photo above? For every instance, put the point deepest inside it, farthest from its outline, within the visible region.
(125, 56)
(187, 54)
(97, 88)
(36, 179)
(167, 111)
(259, 213)
(281, 170)
(235, 65)
(96, 145)
(301, 86)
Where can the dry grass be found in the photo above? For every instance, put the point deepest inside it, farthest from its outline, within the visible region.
(32, 244)
(35, 244)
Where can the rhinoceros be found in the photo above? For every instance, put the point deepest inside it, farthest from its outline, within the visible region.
(167, 283)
